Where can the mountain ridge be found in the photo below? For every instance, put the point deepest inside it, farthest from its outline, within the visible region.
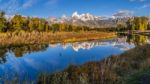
(91, 20)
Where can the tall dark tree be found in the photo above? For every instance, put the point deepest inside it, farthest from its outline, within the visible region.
(3, 22)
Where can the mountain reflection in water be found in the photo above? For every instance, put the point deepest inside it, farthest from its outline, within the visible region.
(26, 62)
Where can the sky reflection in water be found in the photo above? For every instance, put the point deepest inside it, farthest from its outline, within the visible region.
(57, 57)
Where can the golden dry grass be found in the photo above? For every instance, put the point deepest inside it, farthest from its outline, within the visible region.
(11, 38)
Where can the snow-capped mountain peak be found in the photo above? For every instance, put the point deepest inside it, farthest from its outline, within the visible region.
(75, 15)
(91, 20)
(83, 17)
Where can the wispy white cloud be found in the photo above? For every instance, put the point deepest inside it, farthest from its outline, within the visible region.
(142, 0)
(124, 13)
(145, 6)
(13, 6)
(51, 2)
(28, 3)
(137, 0)
(9, 6)
(143, 3)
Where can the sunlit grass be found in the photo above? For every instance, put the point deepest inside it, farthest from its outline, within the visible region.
(15, 38)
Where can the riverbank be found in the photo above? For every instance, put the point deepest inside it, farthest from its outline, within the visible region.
(17, 38)
(138, 32)
(127, 68)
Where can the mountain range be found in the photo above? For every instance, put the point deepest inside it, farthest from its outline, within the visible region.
(91, 20)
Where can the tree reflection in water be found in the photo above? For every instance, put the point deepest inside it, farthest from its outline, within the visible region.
(19, 51)
(137, 39)
(3, 55)
(120, 69)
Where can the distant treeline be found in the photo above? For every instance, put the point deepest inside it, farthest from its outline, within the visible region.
(136, 23)
(19, 23)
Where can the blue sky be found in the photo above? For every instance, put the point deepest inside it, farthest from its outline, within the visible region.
(57, 8)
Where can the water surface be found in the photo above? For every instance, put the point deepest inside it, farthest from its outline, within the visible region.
(26, 63)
